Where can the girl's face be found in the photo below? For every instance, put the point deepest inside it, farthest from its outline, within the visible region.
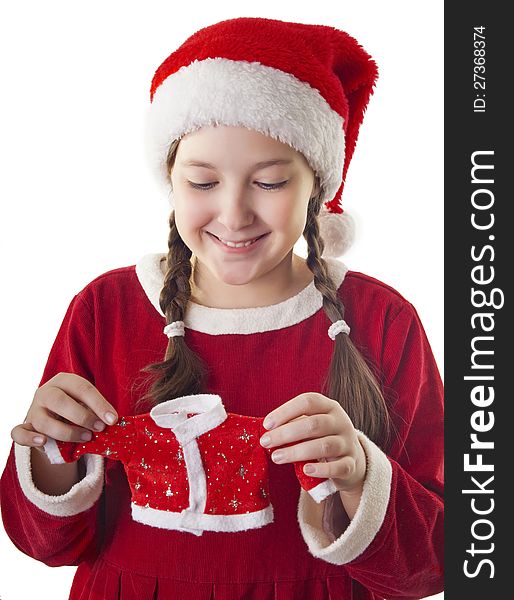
(237, 199)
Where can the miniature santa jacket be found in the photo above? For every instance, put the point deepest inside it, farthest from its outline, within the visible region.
(258, 358)
(191, 466)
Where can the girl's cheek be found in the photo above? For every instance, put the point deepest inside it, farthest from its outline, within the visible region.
(191, 213)
(287, 214)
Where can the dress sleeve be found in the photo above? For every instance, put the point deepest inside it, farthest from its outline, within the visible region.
(317, 487)
(116, 442)
(393, 546)
(57, 530)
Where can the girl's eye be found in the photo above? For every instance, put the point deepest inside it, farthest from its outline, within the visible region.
(201, 186)
(265, 186)
(272, 186)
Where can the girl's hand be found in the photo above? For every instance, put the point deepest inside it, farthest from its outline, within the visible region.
(65, 408)
(331, 437)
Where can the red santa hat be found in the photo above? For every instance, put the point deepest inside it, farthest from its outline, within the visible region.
(305, 85)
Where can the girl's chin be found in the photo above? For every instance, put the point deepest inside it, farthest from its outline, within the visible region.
(234, 276)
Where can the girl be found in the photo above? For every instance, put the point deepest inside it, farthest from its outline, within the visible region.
(252, 126)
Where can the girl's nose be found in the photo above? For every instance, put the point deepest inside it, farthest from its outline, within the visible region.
(235, 210)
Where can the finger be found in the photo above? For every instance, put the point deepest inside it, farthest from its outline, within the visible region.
(327, 448)
(341, 470)
(26, 435)
(311, 427)
(65, 409)
(51, 426)
(305, 404)
(82, 390)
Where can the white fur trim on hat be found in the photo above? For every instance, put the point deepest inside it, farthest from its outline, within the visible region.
(218, 91)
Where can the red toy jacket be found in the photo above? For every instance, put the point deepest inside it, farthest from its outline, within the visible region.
(191, 466)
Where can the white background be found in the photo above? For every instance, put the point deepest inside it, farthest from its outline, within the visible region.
(77, 198)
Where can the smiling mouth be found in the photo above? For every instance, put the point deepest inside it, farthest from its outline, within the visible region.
(237, 244)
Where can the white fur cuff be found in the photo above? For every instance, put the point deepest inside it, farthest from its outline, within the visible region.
(367, 520)
(78, 499)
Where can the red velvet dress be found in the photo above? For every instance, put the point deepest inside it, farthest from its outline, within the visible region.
(258, 358)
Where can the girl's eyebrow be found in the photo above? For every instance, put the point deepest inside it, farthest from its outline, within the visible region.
(259, 165)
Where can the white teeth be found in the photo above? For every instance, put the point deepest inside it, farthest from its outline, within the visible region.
(239, 244)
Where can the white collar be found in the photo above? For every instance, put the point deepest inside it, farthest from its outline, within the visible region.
(217, 321)
(172, 414)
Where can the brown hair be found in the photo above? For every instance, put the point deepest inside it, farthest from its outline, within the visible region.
(351, 381)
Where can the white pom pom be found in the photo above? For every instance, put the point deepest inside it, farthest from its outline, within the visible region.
(337, 231)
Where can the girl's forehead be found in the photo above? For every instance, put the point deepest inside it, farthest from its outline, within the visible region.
(208, 146)
(251, 138)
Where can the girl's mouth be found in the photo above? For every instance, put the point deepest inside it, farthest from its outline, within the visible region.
(238, 248)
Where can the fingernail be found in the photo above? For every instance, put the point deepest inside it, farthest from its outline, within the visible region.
(309, 469)
(268, 423)
(265, 440)
(110, 418)
(99, 425)
(38, 440)
(86, 436)
(278, 456)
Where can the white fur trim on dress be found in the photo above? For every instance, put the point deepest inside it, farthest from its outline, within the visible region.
(78, 499)
(219, 91)
(218, 321)
(366, 522)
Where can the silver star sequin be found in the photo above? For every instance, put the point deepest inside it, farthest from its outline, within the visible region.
(122, 422)
(180, 456)
(169, 492)
(245, 436)
(108, 452)
(143, 464)
(242, 471)
(234, 503)
(149, 433)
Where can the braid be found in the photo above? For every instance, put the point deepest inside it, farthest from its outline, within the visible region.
(176, 289)
(182, 372)
(318, 266)
(350, 380)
